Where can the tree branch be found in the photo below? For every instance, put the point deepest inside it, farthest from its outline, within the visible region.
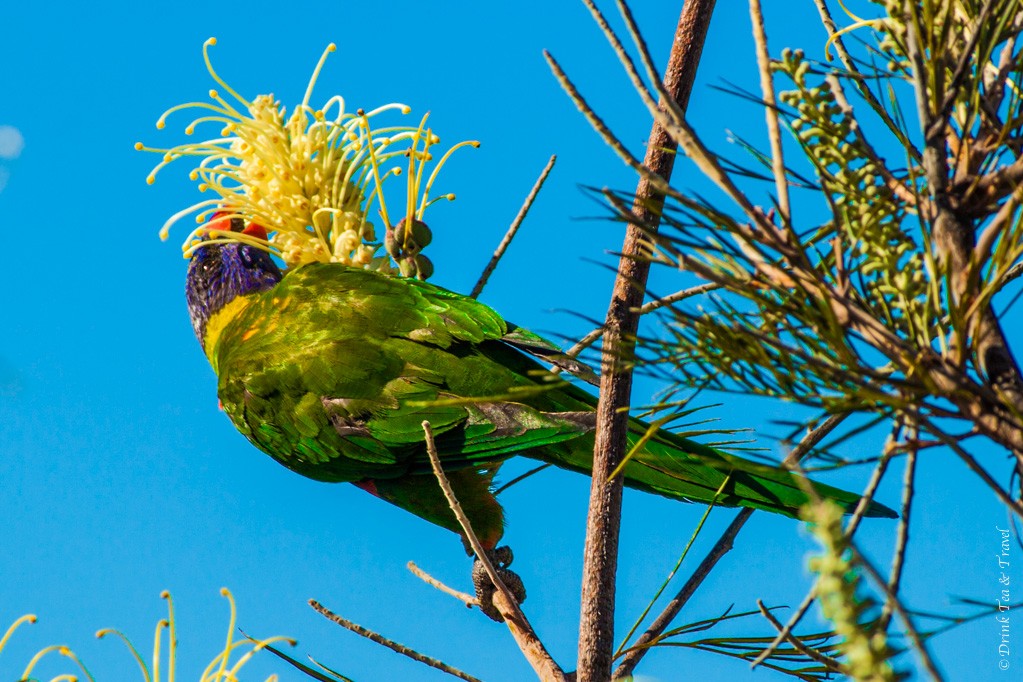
(600, 559)
(390, 643)
(724, 545)
(530, 645)
(466, 599)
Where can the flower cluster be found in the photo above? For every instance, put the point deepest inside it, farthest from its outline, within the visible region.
(42, 653)
(838, 592)
(309, 178)
(896, 278)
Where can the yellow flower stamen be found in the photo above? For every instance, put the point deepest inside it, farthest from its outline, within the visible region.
(38, 657)
(316, 74)
(309, 177)
(27, 618)
(131, 647)
(209, 67)
(172, 632)
(259, 646)
(230, 632)
(433, 176)
(157, 638)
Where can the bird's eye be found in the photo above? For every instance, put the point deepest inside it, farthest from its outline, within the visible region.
(247, 257)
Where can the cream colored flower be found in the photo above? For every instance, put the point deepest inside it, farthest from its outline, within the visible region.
(309, 178)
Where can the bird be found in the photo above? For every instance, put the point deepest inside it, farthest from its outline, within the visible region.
(331, 370)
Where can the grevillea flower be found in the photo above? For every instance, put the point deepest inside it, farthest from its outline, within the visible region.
(42, 653)
(309, 178)
(224, 667)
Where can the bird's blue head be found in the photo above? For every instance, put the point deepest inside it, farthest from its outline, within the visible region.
(220, 272)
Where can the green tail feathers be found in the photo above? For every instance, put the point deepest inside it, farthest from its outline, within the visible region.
(681, 469)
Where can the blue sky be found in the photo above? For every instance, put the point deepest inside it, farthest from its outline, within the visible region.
(121, 477)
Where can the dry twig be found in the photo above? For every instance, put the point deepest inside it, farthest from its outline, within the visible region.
(636, 652)
(831, 663)
(771, 112)
(513, 229)
(467, 599)
(530, 645)
(389, 643)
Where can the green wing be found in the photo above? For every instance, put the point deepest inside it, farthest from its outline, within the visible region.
(334, 370)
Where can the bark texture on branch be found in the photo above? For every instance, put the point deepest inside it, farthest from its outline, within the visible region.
(600, 559)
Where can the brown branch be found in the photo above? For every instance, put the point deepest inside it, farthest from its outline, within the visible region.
(467, 599)
(901, 537)
(390, 643)
(944, 109)
(600, 560)
(771, 112)
(990, 189)
(1011, 274)
(530, 645)
(955, 235)
(724, 545)
(513, 229)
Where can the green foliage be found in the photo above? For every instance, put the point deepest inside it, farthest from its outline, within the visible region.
(881, 308)
(841, 596)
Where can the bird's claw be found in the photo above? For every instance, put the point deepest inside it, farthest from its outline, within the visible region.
(500, 558)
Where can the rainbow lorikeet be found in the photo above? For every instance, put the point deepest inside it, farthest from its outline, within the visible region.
(331, 370)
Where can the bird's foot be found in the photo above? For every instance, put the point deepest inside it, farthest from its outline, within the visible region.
(501, 558)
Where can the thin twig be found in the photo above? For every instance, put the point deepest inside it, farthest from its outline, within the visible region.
(897, 187)
(975, 467)
(634, 654)
(591, 116)
(786, 631)
(513, 229)
(724, 544)
(901, 536)
(918, 642)
(389, 643)
(771, 112)
(463, 520)
(832, 663)
(648, 307)
(1011, 274)
(530, 645)
(624, 58)
(868, 494)
(674, 570)
(861, 83)
(534, 470)
(467, 599)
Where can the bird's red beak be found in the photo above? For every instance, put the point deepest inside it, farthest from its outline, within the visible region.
(255, 230)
